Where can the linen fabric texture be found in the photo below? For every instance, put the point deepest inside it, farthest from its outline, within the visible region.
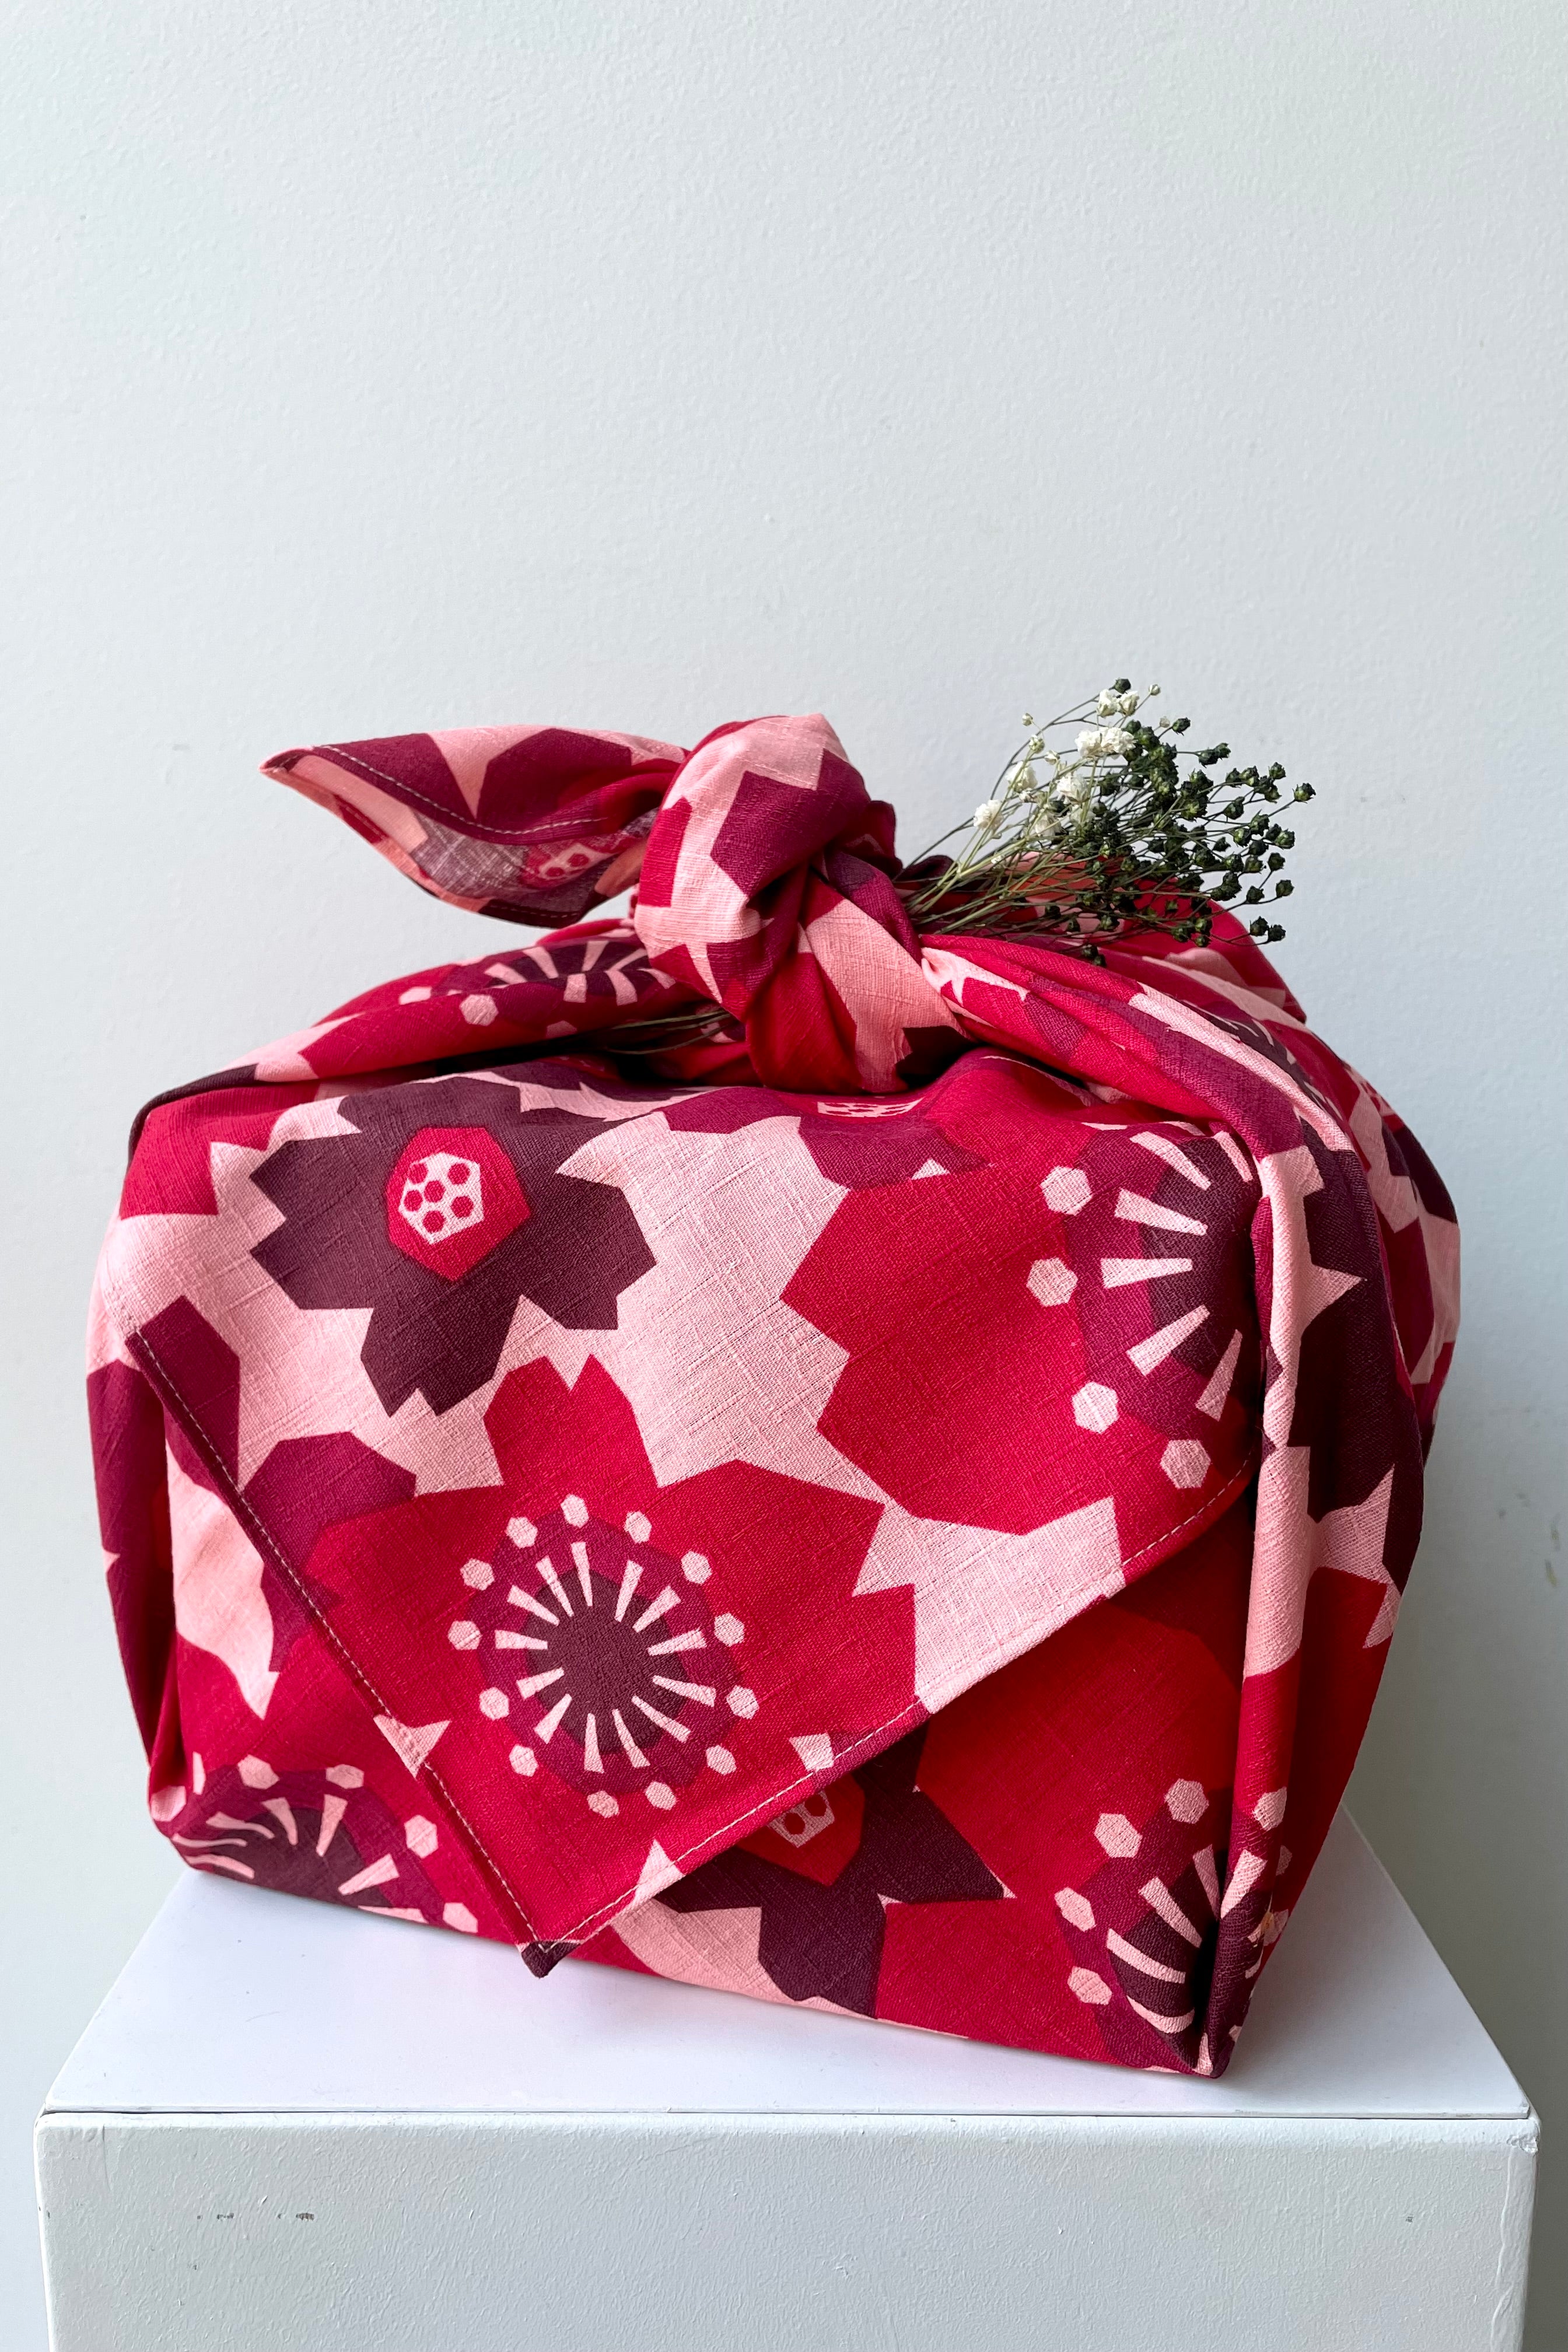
(892, 1497)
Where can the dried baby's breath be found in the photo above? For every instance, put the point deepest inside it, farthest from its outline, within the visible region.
(1119, 829)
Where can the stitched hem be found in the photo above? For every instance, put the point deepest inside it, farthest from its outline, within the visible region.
(546, 830)
(761, 1810)
(137, 1343)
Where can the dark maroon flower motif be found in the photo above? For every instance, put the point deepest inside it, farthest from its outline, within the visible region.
(1145, 1928)
(627, 1676)
(821, 1935)
(443, 1209)
(323, 1835)
(856, 1140)
(1158, 1220)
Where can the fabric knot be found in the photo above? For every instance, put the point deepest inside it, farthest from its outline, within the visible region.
(767, 885)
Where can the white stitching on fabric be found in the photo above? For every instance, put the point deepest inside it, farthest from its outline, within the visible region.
(356, 1672)
(918, 1714)
(552, 829)
(763, 1809)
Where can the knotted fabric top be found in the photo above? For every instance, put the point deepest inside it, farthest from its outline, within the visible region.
(764, 879)
(764, 871)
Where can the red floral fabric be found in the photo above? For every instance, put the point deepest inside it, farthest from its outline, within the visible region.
(893, 1499)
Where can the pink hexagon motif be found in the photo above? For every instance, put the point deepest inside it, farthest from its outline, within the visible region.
(1051, 1282)
(805, 1821)
(1067, 1190)
(1184, 1462)
(441, 1195)
(451, 1199)
(1186, 1801)
(1117, 1835)
(1095, 1407)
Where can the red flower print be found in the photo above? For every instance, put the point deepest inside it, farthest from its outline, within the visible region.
(609, 1662)
(1143, 1928)
(1100, 1270)
(1155, 1217)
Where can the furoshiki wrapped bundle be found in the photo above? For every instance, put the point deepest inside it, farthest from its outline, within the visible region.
(756, 1442)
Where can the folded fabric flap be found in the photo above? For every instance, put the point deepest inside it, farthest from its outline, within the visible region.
(651, 1550)
(1077, 1839)
(531, 824)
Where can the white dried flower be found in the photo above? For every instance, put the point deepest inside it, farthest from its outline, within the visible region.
(1071, 838)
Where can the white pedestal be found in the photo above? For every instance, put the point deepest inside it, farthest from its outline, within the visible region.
(289, 2129)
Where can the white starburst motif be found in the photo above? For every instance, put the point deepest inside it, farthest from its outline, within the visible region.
(1162, 1251)
(623, 1673)
(1142, 1928)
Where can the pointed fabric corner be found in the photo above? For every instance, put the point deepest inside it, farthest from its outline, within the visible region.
(413, 1741)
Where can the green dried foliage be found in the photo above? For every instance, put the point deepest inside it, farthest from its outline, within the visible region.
(1121, 831)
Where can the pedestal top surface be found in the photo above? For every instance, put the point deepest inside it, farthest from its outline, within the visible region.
(244, 2001)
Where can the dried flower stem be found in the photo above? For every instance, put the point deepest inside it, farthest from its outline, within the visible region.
(1110, 835)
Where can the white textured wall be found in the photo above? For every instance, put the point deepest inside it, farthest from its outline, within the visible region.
(378, 367)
